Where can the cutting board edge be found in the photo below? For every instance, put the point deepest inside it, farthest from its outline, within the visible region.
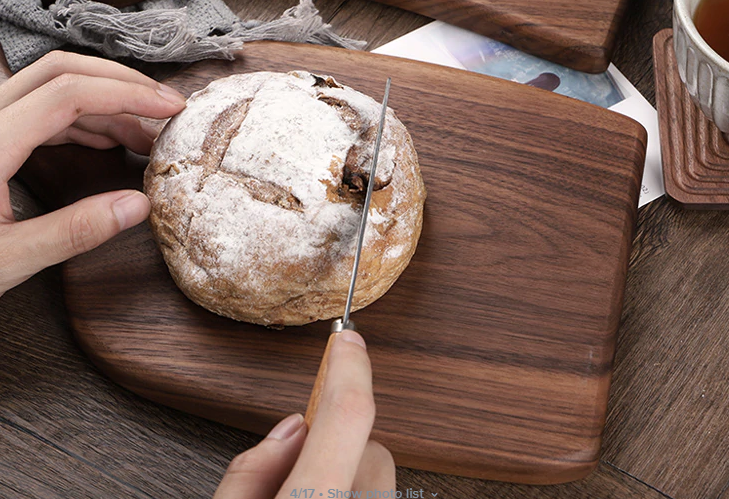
(544, 472)
(259, 420)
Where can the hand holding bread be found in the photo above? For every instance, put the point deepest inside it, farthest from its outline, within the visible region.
(71, 99)
(68, 98)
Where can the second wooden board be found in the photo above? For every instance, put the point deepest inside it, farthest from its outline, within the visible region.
(579, 34)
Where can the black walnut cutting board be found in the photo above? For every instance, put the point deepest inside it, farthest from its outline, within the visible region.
(492, 353)
(579, 34)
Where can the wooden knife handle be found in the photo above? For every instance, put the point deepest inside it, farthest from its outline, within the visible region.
(319, 383)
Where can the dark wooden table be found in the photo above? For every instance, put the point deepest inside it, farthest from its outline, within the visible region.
(67, 431)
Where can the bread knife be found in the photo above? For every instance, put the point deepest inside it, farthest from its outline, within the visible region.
(340, 325)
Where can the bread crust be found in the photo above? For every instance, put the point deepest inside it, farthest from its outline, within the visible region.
(257, 190)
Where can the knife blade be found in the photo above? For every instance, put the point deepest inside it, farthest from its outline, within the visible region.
(344, 323)
(340, 325)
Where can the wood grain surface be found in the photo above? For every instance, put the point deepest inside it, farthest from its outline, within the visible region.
(512, 299)
(68, 431)
(316, 391)
(672, 343)
(662, 438)
(579, 34)
(694, 153)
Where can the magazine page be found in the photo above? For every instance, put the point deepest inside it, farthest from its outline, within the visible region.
(441, 43)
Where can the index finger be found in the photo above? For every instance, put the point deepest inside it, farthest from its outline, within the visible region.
(57, 63)
(46, 111)
(340, 431)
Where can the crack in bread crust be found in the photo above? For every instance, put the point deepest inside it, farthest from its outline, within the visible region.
(266, 192)
(325, 81)
(220, 134)
(349, 115)
(355, 176)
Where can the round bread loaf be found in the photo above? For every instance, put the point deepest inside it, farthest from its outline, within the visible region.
(257, 190)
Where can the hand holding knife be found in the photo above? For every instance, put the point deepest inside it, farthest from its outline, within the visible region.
(340, 325)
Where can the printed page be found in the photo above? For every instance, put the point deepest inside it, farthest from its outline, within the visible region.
(447, 45)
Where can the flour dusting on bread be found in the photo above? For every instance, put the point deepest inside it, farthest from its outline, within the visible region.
(257, 189)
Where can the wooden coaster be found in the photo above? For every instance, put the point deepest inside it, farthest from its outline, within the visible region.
(694, 151)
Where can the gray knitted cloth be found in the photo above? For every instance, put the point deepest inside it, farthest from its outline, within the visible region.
(152, 30)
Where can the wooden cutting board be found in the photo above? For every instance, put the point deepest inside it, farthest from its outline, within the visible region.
(492, 353)
(579, 34)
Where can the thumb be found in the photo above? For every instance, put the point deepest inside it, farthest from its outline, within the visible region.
(35, 244)
(259, 472)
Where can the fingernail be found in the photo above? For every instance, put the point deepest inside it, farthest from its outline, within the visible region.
(131, 209)
(286, 428)
(353, 337)
(170, 94)
(149, 130)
